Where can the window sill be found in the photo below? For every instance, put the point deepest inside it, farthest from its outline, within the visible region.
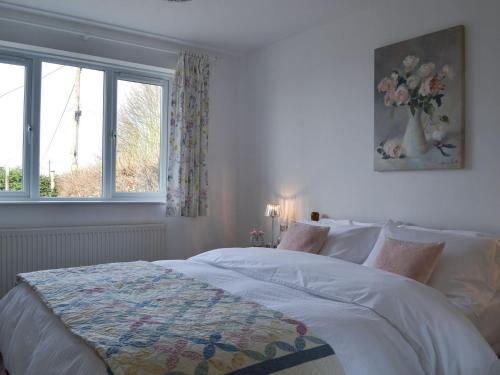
(84, 202)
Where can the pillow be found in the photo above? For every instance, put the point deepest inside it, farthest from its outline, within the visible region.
(452, 231)
(487, 321)
(351, 243)
(304, 237)
(332, 222)
(414, 260)
(467, 272)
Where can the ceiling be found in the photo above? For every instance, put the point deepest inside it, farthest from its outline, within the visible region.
(233, 26)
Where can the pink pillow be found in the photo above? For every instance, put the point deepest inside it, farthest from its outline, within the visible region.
(304, 237)
(488, 323)
(411, 259)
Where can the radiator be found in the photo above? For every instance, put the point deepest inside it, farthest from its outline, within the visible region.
(26, 250)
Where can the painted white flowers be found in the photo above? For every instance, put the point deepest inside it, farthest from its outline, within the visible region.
(425, 88)
(438, 135)
(393, 148)
(426, 70)
(413, 82)
(416, 86)
(410, 63)
(448, 72)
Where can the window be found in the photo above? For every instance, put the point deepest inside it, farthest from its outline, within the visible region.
(138, 136)
(13, 77)
(96, 133)
(71, 123)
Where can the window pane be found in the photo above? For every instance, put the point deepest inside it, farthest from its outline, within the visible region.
(12, 78)
(138, 137)
(71, 132)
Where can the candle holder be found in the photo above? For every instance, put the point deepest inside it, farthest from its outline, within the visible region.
(273, 211)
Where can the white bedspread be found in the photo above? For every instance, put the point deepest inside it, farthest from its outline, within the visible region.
(377, 323)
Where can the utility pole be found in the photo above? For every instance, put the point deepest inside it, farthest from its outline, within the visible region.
(78, 114)
(7, 177)
(52, 175)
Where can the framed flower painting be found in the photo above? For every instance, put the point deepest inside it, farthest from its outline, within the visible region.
(419, 103)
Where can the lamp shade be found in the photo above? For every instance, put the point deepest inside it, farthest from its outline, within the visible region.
(273, 210)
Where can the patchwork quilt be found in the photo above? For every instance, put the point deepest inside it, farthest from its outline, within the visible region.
(142, 318)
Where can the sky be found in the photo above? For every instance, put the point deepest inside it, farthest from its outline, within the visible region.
(57, 125)
(11, 115)
(58, 104)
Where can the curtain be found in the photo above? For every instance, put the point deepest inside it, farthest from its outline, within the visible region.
(187, 184)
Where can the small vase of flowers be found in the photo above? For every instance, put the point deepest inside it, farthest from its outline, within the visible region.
(257, 238)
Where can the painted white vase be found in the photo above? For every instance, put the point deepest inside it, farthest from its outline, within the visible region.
(414, 141)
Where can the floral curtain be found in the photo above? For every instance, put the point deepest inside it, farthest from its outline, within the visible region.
(187, 183)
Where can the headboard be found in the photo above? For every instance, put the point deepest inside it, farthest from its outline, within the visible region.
(314, 216)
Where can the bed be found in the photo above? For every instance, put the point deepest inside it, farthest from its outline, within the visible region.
(346, 318)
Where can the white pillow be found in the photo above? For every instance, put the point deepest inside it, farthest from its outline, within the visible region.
(332, 222)
(350, 243)
(349, 222)
(453, 231)
(488, 323)
(467, 272)
(346, 241)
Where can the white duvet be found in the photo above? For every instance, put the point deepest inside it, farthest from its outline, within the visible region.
(377, 323)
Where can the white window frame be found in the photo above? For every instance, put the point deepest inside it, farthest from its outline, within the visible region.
(113, 71)
(27, 132)
(127, 76)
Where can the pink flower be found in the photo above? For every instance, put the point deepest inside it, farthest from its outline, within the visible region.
(436, 85)
(393, 148)
(386, 84)
(402, 95)
(390, 98)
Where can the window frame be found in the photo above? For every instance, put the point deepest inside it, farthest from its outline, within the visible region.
(27, 127)
(112, 72)
(165, 113)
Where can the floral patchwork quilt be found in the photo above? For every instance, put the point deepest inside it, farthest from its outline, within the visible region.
(142, 318)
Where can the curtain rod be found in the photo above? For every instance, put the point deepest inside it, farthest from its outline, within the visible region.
(87, 36)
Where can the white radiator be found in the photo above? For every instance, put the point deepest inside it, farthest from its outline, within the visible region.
(26, 250)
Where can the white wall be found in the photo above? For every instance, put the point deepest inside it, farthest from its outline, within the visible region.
(308, 131)
(295, 120)
(186, 236)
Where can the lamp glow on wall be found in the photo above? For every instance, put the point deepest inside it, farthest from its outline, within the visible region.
(288, 211)
(273, 211)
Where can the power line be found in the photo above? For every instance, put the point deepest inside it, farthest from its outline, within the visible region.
(60, 121)
(20, 87)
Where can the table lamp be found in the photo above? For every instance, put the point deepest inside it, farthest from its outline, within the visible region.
(273, 211)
